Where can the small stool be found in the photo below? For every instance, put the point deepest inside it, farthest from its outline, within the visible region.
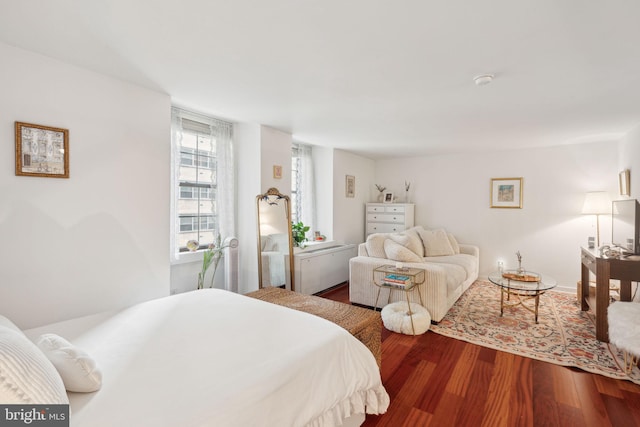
(409, 320)
(624, 318)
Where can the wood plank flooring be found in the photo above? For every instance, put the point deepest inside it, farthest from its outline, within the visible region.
(439, 381)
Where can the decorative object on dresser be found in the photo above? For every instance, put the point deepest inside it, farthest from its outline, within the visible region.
(388, 197)
(506, 193)
(42, 151)
(380, 192)
(388, 218)
(407, 186)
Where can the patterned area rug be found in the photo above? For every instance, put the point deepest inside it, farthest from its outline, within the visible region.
(565, 335)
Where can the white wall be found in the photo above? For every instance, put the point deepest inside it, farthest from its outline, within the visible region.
(629, 158)
(348, 213)
(453, 192)
(275, 149)
(247, 150)
(257, 149)
(100, 239)
(323, 182)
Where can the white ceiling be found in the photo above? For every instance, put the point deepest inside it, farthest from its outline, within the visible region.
(375, 77)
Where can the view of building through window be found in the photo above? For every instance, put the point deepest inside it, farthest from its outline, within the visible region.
(196, 205)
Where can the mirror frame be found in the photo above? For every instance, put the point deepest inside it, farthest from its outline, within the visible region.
(275, 195)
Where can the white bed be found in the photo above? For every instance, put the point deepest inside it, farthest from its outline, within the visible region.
(215, 358)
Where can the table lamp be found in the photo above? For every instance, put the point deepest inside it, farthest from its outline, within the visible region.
(597, 203)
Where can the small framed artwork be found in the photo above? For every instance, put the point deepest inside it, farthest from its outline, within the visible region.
(388, 197)
(506, 193)
(42, 151)
(277, 171)
(624, 180)
(350, 186)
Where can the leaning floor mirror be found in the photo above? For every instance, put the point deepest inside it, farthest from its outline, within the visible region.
(275, 241)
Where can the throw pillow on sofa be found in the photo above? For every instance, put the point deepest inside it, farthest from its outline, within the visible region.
(410, 240)
(436, 243)
(375, 245)
(454, 243)
(396, 252)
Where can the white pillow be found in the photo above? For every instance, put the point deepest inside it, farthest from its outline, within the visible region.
(280, 242)
(416, 242)
(26, 375)
(397, 252)
(409, 240)
(454, 243)
(9, 324)
(77, 369)
(436, 243)
(267, 243)
(375, 245)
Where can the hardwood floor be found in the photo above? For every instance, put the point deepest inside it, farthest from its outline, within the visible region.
(439, 381)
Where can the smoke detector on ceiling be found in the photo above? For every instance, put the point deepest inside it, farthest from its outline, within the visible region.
(483, 79)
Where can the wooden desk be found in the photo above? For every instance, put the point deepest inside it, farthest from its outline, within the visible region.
(624, 269)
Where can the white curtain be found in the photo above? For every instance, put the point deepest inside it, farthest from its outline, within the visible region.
(225, 178)
(307, 189)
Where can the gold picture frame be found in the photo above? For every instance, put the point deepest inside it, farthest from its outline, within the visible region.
(624, 182)
(506, 193)
(350, 186)
(277, 171)
(42, 151)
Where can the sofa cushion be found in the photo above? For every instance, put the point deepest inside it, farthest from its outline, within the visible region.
(467, 262)
(454, 243)
(396, 252)
(375, 245)
(436, 243)
(410, 239)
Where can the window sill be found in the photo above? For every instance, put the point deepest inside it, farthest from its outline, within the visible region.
(188, 257)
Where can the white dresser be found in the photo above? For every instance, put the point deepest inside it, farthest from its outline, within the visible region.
(389, 217)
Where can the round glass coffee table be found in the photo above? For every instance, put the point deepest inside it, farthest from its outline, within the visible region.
(524, 286)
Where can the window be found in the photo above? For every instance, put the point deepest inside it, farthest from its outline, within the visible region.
(295, 184)
(198, 141)
(302, 186)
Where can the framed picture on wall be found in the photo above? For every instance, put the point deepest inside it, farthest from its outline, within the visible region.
(624, 180)
(350, 186)
(277, 171)
(506, 193)
(42, 151)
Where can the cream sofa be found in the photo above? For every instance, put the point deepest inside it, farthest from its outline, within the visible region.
(450, 268)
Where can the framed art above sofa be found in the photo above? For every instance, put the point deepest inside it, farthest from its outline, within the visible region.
(506, 193)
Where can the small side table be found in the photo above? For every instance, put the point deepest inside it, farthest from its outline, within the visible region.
(415, 277)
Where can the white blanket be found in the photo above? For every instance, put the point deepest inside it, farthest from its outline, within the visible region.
(215, 358)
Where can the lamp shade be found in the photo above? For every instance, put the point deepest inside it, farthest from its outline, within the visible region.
(597, 203)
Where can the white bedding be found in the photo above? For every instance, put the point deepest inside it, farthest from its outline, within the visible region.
(215, 358)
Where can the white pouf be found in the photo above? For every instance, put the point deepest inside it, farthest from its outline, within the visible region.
(395, 317)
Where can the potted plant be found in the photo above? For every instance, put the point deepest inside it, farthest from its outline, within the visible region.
(298, 231)
(211, 256)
